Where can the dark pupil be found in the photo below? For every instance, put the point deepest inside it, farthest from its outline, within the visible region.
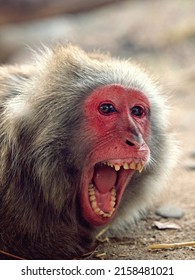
(137, 111)
(107, 108)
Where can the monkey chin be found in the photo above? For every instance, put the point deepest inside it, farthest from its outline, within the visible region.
(103, 186)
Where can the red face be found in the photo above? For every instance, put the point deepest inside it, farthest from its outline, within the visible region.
(117, 119)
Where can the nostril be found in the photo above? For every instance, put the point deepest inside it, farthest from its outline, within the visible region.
(129, 143)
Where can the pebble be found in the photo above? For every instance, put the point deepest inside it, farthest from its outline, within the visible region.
(170, 211)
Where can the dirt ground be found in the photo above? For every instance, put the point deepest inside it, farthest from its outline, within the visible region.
(161, 36)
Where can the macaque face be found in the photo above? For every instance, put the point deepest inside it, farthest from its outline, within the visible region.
(118, 123)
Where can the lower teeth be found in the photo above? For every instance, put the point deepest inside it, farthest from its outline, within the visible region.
(97, 210)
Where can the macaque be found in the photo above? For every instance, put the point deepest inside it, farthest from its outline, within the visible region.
(84, 144)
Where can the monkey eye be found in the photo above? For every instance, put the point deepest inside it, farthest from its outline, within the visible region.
(107, 108)
(137, 111)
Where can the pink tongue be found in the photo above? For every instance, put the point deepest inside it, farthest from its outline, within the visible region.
(104, 178)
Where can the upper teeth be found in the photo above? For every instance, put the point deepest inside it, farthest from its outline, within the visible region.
(132, 165)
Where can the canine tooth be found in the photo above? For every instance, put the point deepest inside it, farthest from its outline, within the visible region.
(117, 167)
(125, 166)
(132, 165)
(139, 167)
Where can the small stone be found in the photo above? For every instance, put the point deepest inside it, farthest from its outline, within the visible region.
(166, 225)
(170, 211)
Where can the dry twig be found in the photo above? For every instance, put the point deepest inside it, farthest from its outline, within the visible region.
(171, 245)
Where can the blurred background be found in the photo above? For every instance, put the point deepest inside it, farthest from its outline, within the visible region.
(149, 30)
(158, 34)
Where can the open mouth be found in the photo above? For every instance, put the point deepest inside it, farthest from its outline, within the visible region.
(103, 188)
